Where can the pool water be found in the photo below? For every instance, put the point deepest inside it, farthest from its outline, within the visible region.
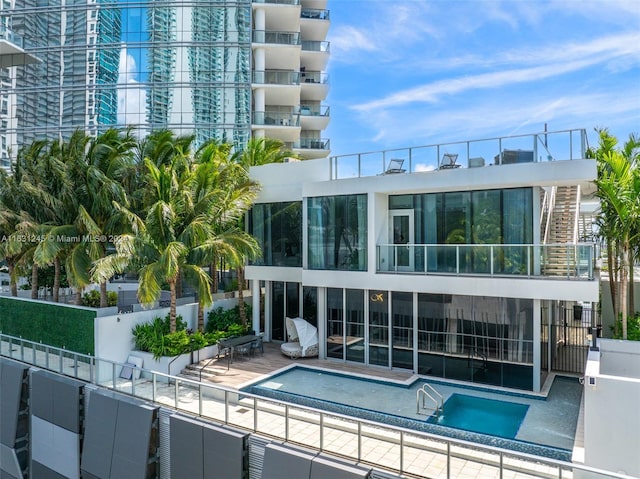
(486, 416)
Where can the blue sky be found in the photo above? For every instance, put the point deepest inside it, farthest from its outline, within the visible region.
(418, 72)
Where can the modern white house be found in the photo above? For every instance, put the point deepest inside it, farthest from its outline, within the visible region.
(462, 261)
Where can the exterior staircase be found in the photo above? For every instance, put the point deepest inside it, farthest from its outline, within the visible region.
(560, 214)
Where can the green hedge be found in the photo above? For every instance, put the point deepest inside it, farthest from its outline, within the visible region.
(53, 324)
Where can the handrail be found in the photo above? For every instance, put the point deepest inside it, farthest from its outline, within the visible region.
(439, 402)
(550, 206)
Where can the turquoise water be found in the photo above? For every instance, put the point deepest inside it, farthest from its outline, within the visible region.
(486, 416)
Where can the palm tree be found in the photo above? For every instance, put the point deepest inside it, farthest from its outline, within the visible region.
(258, 151)
(618, 187)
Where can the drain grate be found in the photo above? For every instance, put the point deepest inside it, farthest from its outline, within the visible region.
(242, 410)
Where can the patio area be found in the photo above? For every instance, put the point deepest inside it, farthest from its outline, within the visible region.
(249, 369)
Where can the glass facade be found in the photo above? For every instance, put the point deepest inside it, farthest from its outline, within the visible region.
(180, 65)
(278, 229)
(337, 232)
(486, 340)
(459, 220)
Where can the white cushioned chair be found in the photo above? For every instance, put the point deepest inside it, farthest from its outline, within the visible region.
(302, 339)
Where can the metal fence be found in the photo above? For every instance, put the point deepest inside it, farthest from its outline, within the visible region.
(385, 447)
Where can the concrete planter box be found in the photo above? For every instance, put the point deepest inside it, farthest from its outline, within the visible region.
(172, 365)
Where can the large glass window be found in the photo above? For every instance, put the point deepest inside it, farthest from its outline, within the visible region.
(337, 233)
(335, 325)
(277, 311)
(355, 325)
(402, 314)
(145, 64)
(310, 304)
(379, 328)
(456, 221)
(278, 229)
(480, 339)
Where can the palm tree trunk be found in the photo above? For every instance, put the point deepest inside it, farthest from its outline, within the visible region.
(200, 317)
(78, 296)
(612, 284)
(214, 275)
(56, 280)
(13, 285)
(172, 306)
(103, 295)
(632, 300)
(241, 309)
(34, 281)
(624, 287)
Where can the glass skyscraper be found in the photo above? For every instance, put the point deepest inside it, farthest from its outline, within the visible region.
(218, 69)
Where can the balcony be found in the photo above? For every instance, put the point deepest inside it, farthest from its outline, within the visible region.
(314, 117)
(512, 260)
(12, 51)
(537, 147)
(315, 46)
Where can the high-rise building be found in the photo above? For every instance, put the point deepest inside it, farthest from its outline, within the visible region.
(219, 69)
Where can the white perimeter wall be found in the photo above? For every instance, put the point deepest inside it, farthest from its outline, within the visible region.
(612, 408)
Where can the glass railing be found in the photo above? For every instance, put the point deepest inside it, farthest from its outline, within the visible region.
(272, 118)
(281, 38)
(275, 77)
(312, 143)
(315, 46)
(536, 147)
(314, 110)
(314, 77)
(314, 14)
(572, 261)
(8, 35)
(376, 444)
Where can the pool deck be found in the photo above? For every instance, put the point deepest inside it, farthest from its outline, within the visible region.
(243, 372)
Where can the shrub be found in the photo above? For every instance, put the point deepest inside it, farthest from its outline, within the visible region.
(633, 329)
(92, 298)
(222, 319)
(154, 337)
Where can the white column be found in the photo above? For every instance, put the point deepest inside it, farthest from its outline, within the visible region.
(537, 357)
(255, 303)
(259, 19)
(322, 322)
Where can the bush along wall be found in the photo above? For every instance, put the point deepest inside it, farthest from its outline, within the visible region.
(52, 324)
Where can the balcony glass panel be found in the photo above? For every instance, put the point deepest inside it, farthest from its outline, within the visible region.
(276, 77)
(552, 260)
(281, 38)
(279, 2)
(274, 118)
(312, 143)
(315, 46)
(314, 110)
(314, 14)
(314, 77)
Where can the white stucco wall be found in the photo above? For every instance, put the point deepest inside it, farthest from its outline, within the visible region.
(611, 407)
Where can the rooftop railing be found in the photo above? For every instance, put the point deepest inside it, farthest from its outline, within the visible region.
(536, 147)
(382, 446)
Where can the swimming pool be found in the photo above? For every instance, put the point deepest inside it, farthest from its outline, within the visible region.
(486, 416)
(543, 426)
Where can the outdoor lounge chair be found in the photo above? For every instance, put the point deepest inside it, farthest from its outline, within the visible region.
(302, 339)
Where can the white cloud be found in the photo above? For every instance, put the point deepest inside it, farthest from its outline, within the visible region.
(132, 98)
